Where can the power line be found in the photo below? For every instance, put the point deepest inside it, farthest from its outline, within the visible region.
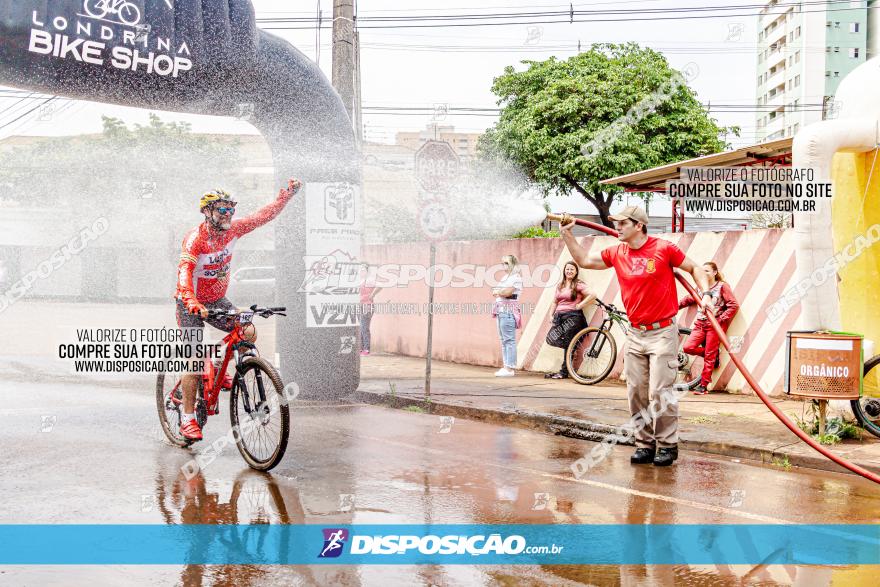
(449, 20)
(37, 107)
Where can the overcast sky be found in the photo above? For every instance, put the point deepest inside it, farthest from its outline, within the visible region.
(455, 66)
(407, 67)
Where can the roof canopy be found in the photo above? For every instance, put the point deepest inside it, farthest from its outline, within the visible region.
(654, 180)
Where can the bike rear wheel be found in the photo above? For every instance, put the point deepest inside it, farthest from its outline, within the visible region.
(590, 355)
(95, 8)
(867, 407)
(259, 413)
(170, 411)
(690, 367)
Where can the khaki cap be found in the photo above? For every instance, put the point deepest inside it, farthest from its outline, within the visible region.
(632, 213)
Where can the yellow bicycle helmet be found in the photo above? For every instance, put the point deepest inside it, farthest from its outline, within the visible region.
(215, 196)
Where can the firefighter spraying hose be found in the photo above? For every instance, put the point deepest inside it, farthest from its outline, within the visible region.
(567, 218)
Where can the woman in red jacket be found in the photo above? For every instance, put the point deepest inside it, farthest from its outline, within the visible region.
(724, 307)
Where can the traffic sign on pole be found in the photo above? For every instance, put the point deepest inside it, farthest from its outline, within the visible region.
(437, 166)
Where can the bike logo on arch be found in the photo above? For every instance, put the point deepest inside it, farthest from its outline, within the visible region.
(117, 11)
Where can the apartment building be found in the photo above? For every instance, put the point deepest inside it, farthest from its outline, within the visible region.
(464, 143)
(804, 50)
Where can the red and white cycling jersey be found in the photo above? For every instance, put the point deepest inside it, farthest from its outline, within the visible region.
(203, 270)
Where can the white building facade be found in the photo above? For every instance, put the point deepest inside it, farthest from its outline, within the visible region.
(804, 50)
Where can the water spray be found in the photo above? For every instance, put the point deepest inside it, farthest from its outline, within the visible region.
(567, 218)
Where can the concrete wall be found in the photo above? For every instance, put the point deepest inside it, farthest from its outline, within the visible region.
(759, 265)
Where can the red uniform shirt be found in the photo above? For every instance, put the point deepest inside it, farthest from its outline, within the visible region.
(647, 284)
(203, 270)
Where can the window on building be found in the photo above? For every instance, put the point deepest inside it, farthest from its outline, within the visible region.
(837, 24)
(797, 57)
(760, 35)
(796, 126)
(837, 49)
(836, 74)
(798, 33)
(853, 27)
(828, 24)
(797, 81)
(827, 73)
(854, 52)
(828, 49)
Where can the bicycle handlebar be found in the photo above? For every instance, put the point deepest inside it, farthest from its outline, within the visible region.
(610, 308)
(263, 312)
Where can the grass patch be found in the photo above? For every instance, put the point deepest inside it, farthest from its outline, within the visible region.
(701, 420)
(836, 428)
(414, 409)
(782, 463)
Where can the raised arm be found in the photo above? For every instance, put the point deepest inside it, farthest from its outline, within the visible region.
(269, 212)
(578, 253)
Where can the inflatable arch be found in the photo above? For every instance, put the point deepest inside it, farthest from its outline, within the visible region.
(844, 150)
(208, 57)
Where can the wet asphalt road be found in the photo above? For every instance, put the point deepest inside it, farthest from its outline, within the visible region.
(95, 454)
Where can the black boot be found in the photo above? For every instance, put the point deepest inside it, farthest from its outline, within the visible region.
(666, 456)
(642, 456)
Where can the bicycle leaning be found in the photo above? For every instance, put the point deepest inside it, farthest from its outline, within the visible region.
(867, 407)
(258, 405)
(592, 352)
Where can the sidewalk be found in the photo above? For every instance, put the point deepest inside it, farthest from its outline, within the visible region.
(738, 426)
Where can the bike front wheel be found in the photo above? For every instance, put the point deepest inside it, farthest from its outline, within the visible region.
(259, 414)
(129, 14)
(591, 355)
(867, 407)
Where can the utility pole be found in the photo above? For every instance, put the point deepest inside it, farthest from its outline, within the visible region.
(346, 78)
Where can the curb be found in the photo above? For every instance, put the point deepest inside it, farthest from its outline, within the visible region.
(597, 432)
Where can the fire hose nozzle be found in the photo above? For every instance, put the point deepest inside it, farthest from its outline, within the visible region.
(563, 218)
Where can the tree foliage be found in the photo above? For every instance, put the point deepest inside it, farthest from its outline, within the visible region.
(161, 162)
(624, 100)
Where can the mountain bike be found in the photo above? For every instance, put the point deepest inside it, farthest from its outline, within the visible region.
(592, 352)
(128, 12)
(867, 407)
(258, 408)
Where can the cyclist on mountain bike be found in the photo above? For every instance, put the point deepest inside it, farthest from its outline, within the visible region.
(203, 276)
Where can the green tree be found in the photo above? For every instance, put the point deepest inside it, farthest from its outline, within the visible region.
(609, 111)
(163, 163)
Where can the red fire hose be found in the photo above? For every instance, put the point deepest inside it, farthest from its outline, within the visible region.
(749, 378)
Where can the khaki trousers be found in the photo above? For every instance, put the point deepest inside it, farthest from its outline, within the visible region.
(650, 365)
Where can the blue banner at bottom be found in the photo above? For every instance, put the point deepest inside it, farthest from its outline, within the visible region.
(447, 544)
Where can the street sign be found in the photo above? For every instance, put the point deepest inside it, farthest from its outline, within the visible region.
(434, 221)
(437, 166)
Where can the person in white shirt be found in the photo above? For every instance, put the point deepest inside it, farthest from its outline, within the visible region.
(508, 314)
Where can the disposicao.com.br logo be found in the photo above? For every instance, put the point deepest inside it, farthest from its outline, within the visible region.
(430, 544)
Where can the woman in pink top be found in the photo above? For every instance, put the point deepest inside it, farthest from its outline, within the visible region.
(572, 295)
(368, 293)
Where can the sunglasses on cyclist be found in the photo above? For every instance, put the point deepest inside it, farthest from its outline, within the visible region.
(226, 210)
